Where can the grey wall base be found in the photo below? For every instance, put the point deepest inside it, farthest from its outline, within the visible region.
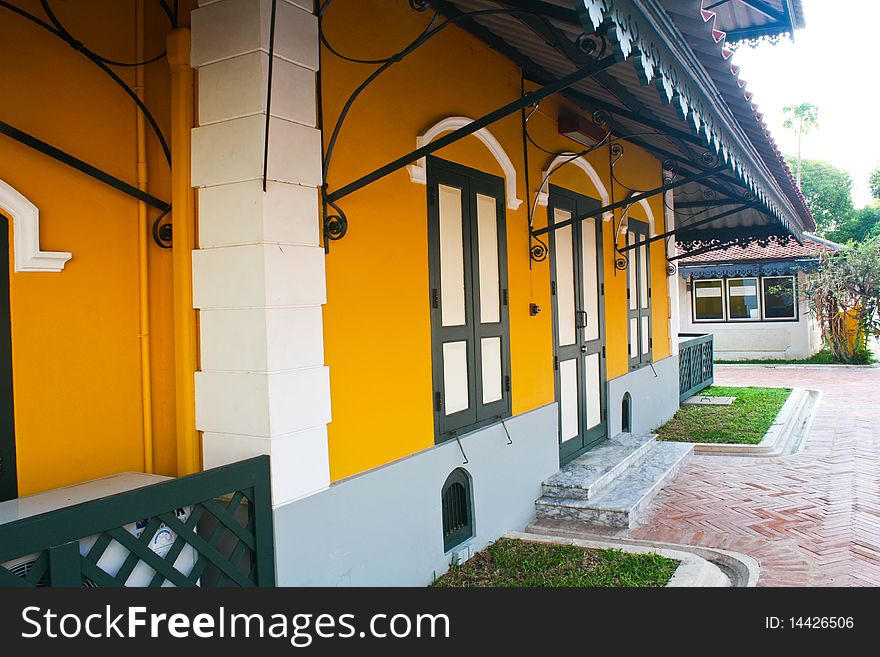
(654, 399)
(384, 527)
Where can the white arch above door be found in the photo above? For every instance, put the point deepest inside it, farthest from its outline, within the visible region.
(593, 175)
(26, 234)
(586, 167)
(418, 171)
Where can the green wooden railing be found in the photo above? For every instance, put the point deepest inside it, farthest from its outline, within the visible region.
(217, 526)
(695, 363)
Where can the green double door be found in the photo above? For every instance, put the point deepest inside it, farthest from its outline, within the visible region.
(578, 323)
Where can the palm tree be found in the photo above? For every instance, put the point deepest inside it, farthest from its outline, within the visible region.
(801, 118)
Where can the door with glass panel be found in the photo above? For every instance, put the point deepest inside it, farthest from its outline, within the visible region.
(578, 325)
(638, 294)
(468, 297)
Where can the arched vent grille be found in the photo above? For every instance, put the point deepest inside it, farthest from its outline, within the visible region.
(457, 509)
(626, 414)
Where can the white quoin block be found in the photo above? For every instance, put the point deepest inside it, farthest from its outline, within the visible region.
(261, 339)
(258, 275)
(234, 27)
(261, 404)
(242, 213)
(238, 87)
(232, 151)
(300, 462)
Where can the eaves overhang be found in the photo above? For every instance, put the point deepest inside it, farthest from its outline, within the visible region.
(660, 97)
(646, 34)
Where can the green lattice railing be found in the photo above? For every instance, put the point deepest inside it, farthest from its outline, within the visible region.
(215, 529)
(695, 363)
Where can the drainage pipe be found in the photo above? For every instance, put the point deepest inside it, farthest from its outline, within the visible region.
(143, 251)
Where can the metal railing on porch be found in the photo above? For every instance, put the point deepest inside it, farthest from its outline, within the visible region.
(695, 363)
(216, 528)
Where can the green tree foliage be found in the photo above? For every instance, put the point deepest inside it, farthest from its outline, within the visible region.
(861, 224)
(847, 283)
(828, 191)
(874, 182)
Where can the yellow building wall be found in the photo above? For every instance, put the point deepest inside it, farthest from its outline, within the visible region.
(76, 364)
(377, 321)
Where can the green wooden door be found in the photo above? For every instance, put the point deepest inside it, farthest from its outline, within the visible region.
(8, 479)
(578, 324)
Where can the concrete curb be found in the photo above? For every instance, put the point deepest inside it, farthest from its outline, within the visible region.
(744, 569)
(693, 570)
(785, 437)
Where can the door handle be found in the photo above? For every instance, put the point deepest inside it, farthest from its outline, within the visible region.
(580, 319)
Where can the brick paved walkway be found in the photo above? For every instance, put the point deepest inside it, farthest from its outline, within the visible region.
(812, 519)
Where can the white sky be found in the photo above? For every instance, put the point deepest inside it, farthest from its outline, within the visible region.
(834, 69)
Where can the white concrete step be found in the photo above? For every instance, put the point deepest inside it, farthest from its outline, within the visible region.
(589, 474)
(623, 502)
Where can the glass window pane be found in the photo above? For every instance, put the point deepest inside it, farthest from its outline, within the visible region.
(455, 377)
(564, 280)
(490, 349)
(487, 236)
(590, 278)
(452, 311)
(631, 271)
(645, 335)
(779, 297)
(742, 298)
(643, 273)
(708, 300)
(568, 398)
(594, 404)
(633, 338)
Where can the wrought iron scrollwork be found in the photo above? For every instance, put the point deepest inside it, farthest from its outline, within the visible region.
(708, 160)
(764, 240)
(621, 261)
(671, 268)
(537, 249)
(335, 222)
(419, 5)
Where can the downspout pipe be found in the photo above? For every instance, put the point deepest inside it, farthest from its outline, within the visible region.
(183, 233)
(143, 250)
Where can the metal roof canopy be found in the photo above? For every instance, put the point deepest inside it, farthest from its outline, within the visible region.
(754, 19)
(714, 159)
(685, 119)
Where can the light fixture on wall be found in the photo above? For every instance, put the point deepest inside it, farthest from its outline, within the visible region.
(581, 129)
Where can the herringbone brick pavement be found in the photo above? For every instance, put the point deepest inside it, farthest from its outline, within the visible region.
(811, 519)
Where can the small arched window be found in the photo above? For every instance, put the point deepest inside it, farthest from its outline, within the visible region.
(626, 414)
(458, 524)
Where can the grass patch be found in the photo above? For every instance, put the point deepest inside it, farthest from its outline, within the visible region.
(824, 357)
(745, 422)
(514, 563)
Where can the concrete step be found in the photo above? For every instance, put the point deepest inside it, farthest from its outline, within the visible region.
(589, 474)
(623, 502)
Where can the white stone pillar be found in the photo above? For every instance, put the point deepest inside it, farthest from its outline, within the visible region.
(672, 281)
(258, 275)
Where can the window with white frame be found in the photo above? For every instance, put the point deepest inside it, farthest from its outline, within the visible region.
(780, 297)
(742, 299)
(709, 300)
(754, 298)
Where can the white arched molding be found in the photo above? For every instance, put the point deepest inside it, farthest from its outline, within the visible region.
(26, 234)
(418, 171)
(586, 167)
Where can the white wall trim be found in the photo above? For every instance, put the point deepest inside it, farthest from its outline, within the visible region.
(418, 171)
(26, 234)
(586, 167)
